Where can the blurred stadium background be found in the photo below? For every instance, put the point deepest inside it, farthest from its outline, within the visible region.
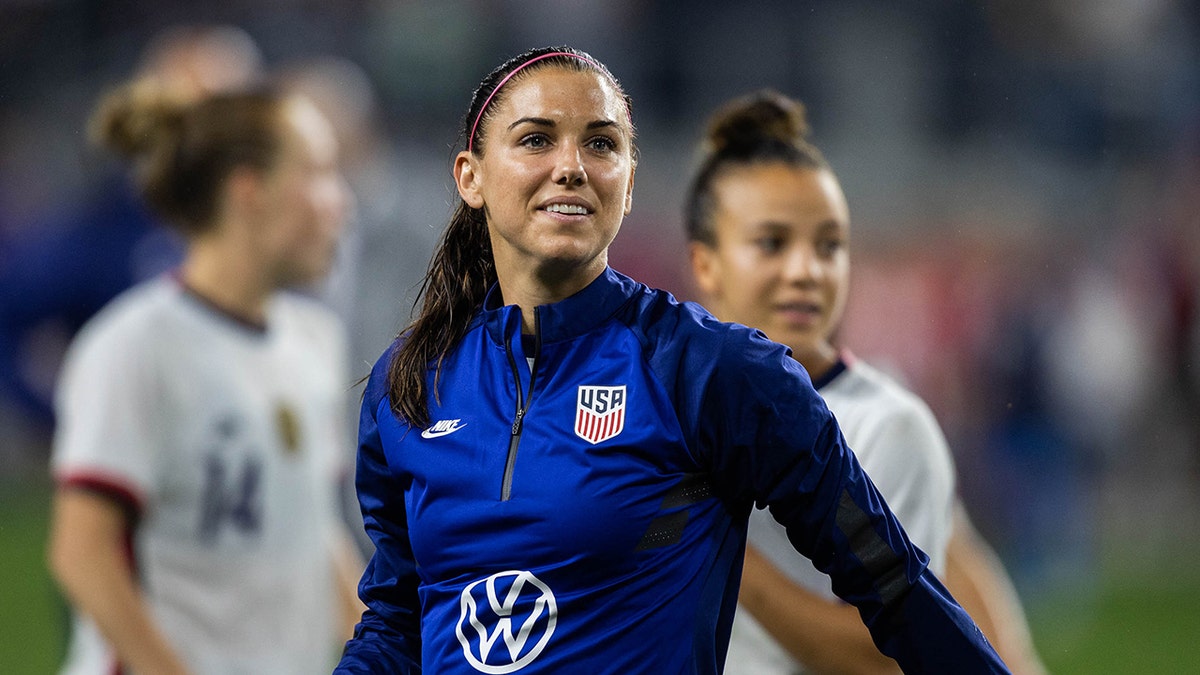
(1024, 181)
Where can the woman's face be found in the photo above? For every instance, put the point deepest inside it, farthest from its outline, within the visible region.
(306, 198)
(556, 175)
(781, 261)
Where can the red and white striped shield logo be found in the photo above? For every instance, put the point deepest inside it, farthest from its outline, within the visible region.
(600, 413)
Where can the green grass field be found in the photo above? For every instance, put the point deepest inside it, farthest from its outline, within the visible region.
(32, 618)
(1135, 620)
(1138, 620)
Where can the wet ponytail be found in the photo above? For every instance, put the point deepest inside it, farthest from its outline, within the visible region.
(460, 274)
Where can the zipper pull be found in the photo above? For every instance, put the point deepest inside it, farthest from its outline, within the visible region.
(516, 427)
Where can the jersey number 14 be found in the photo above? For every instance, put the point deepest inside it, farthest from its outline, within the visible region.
(230, 500)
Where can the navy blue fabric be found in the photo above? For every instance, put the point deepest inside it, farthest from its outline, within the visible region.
(701, 397)
(61, 270)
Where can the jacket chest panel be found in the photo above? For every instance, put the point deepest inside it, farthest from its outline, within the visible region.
(567, 494)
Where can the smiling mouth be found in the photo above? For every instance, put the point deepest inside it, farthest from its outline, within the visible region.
(568, 209)
(800, 310)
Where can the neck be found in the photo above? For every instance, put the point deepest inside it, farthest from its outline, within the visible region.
(817, 360)
(528, 288)
(225, 276)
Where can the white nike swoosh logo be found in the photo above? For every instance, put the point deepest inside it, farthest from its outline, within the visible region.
(430, 433)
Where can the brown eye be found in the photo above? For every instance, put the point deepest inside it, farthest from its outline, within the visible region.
(828, 247)
(769, 245)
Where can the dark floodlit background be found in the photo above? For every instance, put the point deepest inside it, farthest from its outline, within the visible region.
(1024, 183)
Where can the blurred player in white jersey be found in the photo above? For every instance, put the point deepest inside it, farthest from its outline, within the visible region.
(769, 227)
(200, 436)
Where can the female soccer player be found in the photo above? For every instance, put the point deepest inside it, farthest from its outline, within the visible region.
(769, 232)
(556, 463)
(198, 450)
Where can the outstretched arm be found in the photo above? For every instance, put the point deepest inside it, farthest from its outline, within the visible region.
(786, 451)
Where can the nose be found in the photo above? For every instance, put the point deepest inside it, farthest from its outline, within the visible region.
(801, 265)
(568, 166)
(337, 202)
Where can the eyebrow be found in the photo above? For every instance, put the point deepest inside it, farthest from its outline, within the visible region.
(772, 226)
(545, 122)
(831, 224)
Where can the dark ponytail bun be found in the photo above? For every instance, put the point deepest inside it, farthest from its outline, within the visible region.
(764, 127)
(743, 126)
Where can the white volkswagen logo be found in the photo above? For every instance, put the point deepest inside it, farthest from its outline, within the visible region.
(491, 606)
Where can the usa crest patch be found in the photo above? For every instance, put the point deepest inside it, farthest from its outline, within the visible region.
(599, 413)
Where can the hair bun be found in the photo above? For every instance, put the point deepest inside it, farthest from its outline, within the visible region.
(139, 119)
(764, 116)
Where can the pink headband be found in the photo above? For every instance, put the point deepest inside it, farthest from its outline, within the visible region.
(514, 71)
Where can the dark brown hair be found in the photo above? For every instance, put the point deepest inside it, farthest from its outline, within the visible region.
(765, 126)
(463, 269)
(183, 150)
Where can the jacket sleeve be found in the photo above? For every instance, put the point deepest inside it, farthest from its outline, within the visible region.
(775, 442)
(388, 638)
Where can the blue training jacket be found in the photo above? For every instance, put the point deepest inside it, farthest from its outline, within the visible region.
(590, 516)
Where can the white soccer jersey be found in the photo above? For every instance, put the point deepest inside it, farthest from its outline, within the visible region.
(901, 447)
(228, 439)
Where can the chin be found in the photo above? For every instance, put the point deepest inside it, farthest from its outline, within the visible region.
(300, 278)
(569, 255)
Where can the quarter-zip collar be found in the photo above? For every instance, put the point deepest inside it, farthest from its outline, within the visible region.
(577, 315)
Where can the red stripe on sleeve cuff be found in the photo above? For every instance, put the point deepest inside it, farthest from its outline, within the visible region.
(104, 484)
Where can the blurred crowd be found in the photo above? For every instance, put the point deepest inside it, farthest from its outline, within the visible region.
(1024, 182)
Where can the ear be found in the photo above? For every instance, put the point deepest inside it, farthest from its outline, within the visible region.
(245, 191)
(466, 179)
(706, 268)
(629, 190)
